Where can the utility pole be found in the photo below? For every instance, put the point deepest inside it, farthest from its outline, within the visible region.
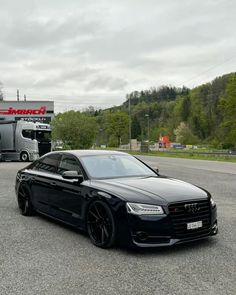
(130, 135)
(18, 94)
(148, 129)
(24, 97)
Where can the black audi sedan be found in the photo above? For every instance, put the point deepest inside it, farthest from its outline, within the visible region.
(115, 198)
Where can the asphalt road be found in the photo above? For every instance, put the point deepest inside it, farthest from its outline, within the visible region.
(39, 256)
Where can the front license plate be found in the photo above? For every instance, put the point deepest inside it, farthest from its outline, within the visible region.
(194, 225)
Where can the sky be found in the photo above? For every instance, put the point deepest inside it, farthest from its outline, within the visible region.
(81, 52)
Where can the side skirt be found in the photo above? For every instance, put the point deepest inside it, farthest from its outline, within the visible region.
(61, 221)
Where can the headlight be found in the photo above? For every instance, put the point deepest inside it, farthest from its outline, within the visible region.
(144, 209)
(213, 204)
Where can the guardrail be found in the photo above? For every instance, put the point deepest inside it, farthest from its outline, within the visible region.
(195, 153)
(185, 152)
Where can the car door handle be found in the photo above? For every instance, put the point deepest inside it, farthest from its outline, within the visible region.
(33, 178)
(53, 183)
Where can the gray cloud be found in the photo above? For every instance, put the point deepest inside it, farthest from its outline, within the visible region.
(35, 34)
(63, 77)
(106, 83)
(94, 52)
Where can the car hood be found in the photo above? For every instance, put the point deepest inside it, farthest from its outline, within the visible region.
(151, 190)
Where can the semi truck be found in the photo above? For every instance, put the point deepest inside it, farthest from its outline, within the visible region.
(24, 141)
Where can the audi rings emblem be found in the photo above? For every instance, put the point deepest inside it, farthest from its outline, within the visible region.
(192, 208)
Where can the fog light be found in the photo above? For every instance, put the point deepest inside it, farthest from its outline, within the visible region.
(142, 236)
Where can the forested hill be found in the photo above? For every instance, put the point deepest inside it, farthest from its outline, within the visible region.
(205, 114)
(208, 92)
(163, 93)
(168, 93)
(202, 115)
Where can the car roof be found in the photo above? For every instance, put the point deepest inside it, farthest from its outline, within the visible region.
(81, 153)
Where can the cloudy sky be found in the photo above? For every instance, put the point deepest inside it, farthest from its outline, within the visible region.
(82, 52)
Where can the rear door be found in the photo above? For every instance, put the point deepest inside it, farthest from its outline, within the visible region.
(43, 181)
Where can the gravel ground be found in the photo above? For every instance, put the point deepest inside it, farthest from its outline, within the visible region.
(40, 256)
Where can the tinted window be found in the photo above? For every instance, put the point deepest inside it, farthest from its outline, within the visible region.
(28, 133)
(68, 163)
(48, 163)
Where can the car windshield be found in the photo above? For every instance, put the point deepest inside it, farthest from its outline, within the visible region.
(112, 166)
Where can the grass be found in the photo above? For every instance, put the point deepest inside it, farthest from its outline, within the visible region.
(188, 155)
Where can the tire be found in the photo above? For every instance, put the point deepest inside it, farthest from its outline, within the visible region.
(101, 224)
(24, 157)
(24, 201)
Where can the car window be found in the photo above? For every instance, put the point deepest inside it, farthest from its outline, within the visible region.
(48, 163)
(68, 163)
(27, 133)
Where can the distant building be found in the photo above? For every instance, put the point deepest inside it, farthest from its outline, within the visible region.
(31, 111)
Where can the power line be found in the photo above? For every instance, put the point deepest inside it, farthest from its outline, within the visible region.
(209, 69)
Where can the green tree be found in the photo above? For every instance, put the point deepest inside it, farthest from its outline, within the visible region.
(117, 125)
(227, 108)
(75, 129)
(184, 134)
(135, 128)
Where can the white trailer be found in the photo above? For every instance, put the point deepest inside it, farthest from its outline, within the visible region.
(24, 141)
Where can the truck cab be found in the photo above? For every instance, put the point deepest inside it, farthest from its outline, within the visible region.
(33, 140)
(24, 141)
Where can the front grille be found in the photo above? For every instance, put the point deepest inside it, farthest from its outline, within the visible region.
(180, 216)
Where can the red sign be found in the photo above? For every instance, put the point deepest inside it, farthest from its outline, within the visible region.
(13, 111)
(164, 141)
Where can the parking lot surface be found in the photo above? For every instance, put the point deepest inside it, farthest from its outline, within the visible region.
(40, 256)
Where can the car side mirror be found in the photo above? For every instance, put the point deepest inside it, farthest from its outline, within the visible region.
(156, 170)
(73, 175)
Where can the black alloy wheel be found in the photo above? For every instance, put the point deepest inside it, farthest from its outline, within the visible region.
(101, 225)
(24, 201)
(24, 157)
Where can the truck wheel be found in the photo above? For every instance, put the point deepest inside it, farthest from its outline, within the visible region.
(24, 157)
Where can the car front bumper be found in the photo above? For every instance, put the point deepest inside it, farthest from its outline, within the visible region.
(158, 231)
